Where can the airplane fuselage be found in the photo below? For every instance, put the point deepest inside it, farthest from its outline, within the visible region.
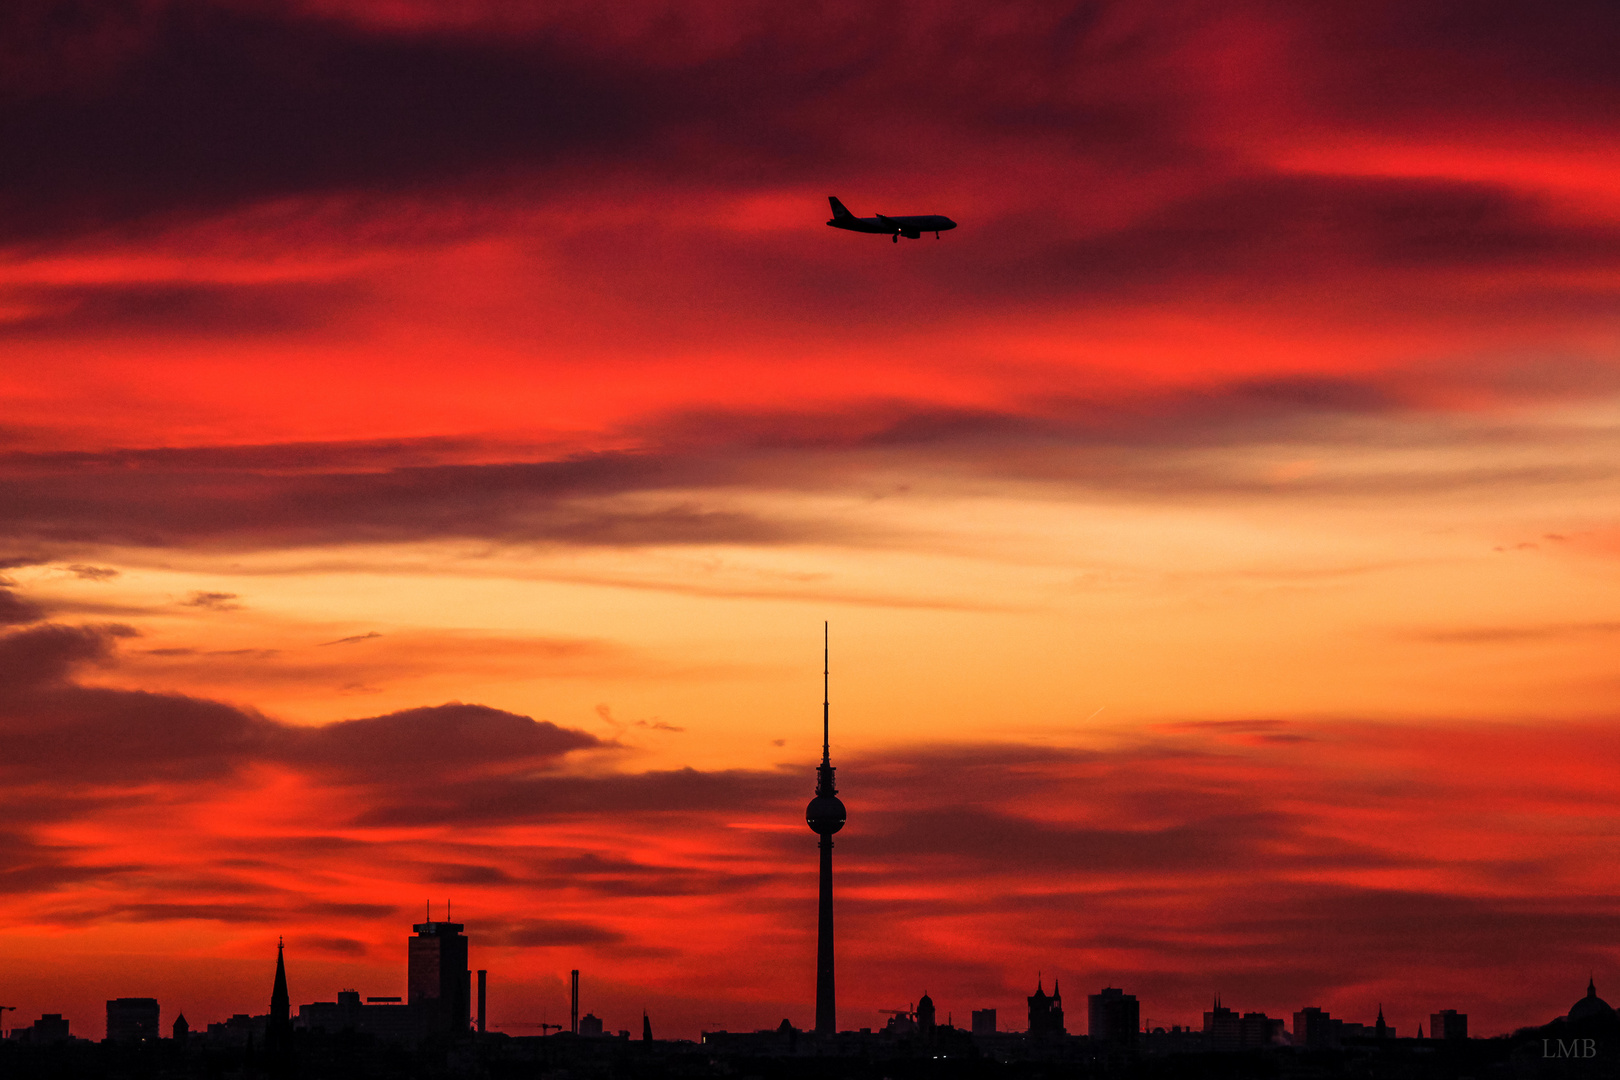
(911, 226)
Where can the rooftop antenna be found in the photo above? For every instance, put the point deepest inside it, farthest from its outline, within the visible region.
(826, 637)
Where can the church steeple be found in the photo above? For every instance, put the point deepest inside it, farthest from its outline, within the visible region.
(280, 1000)
(279, 1032)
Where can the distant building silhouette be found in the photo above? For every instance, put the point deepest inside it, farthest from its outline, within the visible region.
(240, 1030)
(1316, 1030)
(984, 1021)
(483, 987)
(1256, 1029)
(1175, 1039)
(386, 1018)
(49, 1029)
(925, 1015)
(1046, 1013)
(344, 1014)
(1451, 1024)
(132, 1020)
(1382, 1030)
(1222, 1027)
(438, 981)
(646, 1027)
(590, 1025)
(902, 1023)
(1114, 1017)
(181, 1030)
(1226, 1030)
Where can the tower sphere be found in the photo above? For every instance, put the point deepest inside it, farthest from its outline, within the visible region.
(825, 814)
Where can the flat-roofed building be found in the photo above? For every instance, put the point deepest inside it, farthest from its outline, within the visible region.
(1448, 1024)
(1314, 1029)
(1114, 1017)
(132, 1020)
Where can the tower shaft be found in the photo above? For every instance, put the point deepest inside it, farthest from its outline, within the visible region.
(826, 994)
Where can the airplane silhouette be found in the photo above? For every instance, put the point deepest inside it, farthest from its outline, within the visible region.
(910, 226)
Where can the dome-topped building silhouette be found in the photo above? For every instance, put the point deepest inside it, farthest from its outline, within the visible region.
(1591, 1006)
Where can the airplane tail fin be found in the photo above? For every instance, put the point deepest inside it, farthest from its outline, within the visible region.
(838, 208)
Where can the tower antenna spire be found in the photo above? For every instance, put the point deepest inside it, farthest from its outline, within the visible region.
(826, 637)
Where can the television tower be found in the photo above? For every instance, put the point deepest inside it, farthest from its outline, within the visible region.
(825, 815)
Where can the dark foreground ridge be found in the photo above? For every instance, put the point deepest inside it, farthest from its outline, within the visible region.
(1560, 1050)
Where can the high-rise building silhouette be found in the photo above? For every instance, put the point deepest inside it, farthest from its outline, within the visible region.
(1315, 1029)
(1450, 1024)
(1113, 1016)
(132, 1020)
(1223, 1028)
(1227, 1030)
(825, 815)
(438, 978)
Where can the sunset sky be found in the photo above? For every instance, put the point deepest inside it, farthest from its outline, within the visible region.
(433, 433)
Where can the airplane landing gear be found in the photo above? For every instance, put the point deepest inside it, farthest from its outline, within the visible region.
(895, 238)
(936, 234)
